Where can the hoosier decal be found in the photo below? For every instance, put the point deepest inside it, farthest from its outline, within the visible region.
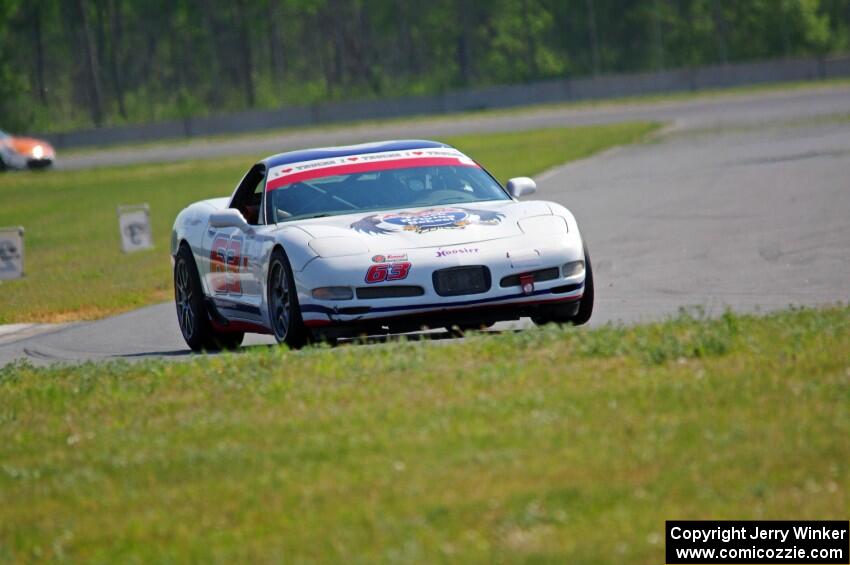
(456, 251)
(426, 220)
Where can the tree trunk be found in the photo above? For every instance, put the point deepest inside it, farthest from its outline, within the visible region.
(336, 19)
(276, 59)
(783, 28)
(216, 68)
(325, 46)
(362, 42)
(464, 43)
(116, 33)
(38, 43)
(246, 58)
(530, 42)
(720, 28)
(657, 38)
(594, 37)
(90, 66)
(407, 61)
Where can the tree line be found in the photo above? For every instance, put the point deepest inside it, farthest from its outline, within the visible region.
(81, 63)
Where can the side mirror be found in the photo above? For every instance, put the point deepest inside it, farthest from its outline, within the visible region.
(521, 186)
(230, 218)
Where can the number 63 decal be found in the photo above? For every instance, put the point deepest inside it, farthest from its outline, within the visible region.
(387, 272)
(226, 260)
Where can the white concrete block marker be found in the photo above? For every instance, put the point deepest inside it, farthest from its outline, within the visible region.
(135, 225)
(11, 253)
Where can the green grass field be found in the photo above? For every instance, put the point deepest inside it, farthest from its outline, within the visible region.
(75, 269)
(545, 446)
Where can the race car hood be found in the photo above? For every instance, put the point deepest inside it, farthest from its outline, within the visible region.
(435, 226)
(26, 146)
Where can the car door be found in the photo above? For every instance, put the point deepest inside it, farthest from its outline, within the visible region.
(230, 276)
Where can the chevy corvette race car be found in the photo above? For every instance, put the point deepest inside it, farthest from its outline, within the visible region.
(375, 238)
(24, 153)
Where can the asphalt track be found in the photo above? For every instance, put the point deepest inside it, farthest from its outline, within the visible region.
(742, 203)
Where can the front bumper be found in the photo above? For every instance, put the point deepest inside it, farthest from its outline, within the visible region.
(498, 303)
(466, 316)
(42, 163)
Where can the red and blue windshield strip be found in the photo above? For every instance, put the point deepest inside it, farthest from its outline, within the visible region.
(289, 176)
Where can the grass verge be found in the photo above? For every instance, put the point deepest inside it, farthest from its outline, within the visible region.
(75, 269)
(549, 445)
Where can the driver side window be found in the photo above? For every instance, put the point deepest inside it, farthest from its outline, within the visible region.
(249, 196)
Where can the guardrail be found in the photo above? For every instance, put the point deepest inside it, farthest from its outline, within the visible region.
(600, 87)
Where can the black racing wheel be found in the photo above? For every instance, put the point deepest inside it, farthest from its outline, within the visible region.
(284, 310)
(585, 307)
(195, 324)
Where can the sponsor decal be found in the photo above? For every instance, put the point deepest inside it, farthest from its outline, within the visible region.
(226, 263)
(386, 272)
(389, 258)
(426, 220)
(456, 251)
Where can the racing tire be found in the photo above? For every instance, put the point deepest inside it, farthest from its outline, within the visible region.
(40, 166)
(284, 311)
(192, 315)
(567, 314)
(585, 306)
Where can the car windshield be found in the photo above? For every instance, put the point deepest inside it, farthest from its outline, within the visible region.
(409, 187)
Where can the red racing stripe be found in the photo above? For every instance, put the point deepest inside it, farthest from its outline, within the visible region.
(366, 167)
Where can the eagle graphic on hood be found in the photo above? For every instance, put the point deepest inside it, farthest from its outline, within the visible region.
(426, 220)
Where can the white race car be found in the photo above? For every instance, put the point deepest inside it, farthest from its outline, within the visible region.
(375, 238)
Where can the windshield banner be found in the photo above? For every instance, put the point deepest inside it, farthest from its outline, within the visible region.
(367, 162)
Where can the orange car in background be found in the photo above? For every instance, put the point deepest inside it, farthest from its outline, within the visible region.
(24, 153)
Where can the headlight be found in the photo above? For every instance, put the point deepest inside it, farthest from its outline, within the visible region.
(38, 151)
(338, 246)
(573, 268)
(333, 293)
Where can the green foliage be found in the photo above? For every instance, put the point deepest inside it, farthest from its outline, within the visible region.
(75, 269)
(15, 110)
(552, 445)
(14, 106)
(69, 64)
